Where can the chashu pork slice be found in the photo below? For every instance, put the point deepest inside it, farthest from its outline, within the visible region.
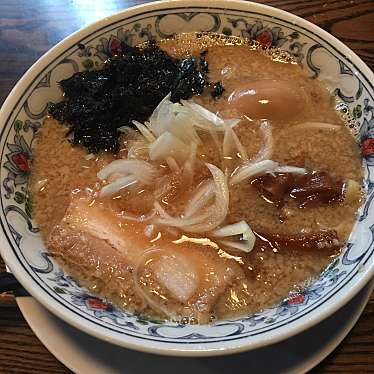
(95, 242)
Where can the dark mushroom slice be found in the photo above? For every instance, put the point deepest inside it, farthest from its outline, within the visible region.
(306, 189)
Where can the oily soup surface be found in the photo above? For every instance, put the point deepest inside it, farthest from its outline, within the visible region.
(137, 270)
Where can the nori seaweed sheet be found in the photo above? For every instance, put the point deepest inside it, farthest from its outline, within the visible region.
(130, 86)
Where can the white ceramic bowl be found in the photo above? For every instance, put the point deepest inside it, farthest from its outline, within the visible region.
(321, 55)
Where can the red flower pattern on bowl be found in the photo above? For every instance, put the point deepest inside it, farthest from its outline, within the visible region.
(265, 38)
(22, 161)
(298, 299)
(115, 47)
(367, 147)
(96, 304)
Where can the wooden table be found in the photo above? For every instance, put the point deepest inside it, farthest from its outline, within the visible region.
(30, 28)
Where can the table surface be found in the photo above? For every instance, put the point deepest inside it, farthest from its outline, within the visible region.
(29, 28)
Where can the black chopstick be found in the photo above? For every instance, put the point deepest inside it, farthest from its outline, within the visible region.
(9, 283)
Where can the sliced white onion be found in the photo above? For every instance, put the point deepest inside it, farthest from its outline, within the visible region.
(182, 127)
(228, 144)
(211, 217)
(200, 198)
(206, 120)
(187, 174)
(189, 166)
(114, 187)
(238, 228)
(174, 117)
(167, 220)
(168, 145)
(267, 149)
(219, 209)
(193, 152)
(252, 169)
(144, 131)
(173, 165)
(289, 169)
(246, 240)
(263, 155)
(161, 116)
(239, 147)
(232, 145)
(142, 170)
(214, 136)
(204, 113)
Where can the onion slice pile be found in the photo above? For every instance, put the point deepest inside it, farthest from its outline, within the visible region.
(174, 126)
(171, 136)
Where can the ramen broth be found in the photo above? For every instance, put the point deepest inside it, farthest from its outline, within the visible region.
(146, 248)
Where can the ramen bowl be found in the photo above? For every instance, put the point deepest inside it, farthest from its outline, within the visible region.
(321, 55)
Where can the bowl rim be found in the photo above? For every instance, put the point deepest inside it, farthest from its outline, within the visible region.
(135, 343)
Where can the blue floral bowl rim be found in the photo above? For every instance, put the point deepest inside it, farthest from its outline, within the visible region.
(32, 287)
